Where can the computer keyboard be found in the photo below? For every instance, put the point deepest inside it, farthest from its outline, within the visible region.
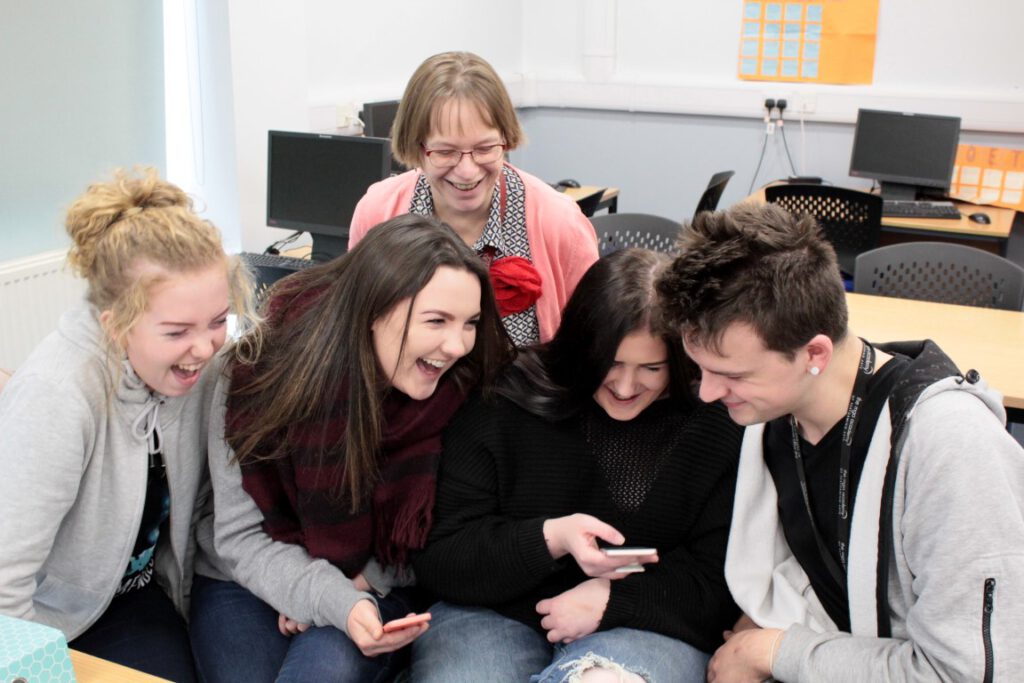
(902, 208)
(275, 261)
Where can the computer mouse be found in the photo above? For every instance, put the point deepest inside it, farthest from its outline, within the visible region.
(980, 218)
(568, 182)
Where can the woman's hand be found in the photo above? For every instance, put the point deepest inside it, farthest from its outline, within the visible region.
(575, 613)
(288, 626)
(366, 631)
(361, 584)
(577, 535)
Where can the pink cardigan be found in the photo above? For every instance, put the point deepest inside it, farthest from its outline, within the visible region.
(563, 244)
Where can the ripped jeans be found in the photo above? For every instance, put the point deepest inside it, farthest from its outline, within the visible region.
(472, 644)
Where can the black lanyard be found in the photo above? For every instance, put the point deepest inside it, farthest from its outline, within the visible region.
(864, 371)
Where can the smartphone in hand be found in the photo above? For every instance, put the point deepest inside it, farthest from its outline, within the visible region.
(406, 622)
(622, 551)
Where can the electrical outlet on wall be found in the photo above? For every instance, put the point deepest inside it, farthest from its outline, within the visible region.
(803, 103)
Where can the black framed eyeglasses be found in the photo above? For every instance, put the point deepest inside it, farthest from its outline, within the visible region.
(447, 158)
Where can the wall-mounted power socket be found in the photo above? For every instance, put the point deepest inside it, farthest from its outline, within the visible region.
(803, 103)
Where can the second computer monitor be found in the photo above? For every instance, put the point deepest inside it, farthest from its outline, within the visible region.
(910, 154)
(378, 118)
(314, 182)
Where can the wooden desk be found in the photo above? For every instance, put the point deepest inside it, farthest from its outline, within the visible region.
(609, 200)
(89, 669)
(962, 230)
(988, 340)
(998, 230)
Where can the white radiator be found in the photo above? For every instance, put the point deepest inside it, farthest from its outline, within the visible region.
(34, 291)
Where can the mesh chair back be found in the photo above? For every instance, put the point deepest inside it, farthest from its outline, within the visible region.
(265, 277)
(617, 231)
(941, 271)
(716, 186)
(267, 269)
(851, 220)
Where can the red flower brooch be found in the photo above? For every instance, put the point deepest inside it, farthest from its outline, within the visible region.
(516, 284)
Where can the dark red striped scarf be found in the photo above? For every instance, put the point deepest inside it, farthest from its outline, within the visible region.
(300, 498)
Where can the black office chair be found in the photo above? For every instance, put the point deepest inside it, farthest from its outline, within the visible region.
(851, 220)
(588, 204)
(941, 271)
(269, 268)
(617, 231)
(716, 186)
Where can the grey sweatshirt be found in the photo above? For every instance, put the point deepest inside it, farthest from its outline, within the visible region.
(948, 497)
(74, 460)
(233, 546)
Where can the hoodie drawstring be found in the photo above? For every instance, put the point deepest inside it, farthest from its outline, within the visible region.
(147, 426)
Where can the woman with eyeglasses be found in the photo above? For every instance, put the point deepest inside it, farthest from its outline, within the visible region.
(453, 126)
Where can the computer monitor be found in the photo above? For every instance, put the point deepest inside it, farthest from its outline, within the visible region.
(314, 182)
(910, 154)
(378, 118)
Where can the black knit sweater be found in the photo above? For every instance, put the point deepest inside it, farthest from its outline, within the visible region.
(665, 479)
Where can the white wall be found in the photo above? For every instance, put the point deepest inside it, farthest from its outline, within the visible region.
(290, 59)
(641, 94)
(940, 57)
(81, 86)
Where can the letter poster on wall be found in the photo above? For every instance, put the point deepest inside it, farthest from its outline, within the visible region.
(809, 41)
(989, 175)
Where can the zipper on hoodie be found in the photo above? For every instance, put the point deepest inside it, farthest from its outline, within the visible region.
(987, 606)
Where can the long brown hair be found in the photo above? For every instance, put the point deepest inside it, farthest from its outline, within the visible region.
(317, 358)
(615, 298)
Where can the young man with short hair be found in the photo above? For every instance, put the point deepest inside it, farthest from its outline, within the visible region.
(878, 529)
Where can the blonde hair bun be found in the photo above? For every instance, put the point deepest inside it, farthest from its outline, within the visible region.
(103, 205)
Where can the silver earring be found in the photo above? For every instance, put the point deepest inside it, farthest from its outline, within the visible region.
(814, 370)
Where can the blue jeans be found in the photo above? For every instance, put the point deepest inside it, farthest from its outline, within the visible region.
(143, 630)
(235, 638)
(472, 644)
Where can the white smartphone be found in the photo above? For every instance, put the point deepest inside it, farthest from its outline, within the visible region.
(628, 551)
(629, 569)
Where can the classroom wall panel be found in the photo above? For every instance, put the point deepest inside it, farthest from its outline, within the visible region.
(291, 60)
(82, 92)
(937, 57)
(662, 162)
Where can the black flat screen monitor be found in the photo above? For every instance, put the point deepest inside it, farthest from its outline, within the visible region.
(378, 117)
(314, 182)
(910, 154)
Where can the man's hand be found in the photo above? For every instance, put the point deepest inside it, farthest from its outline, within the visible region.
(746, 656)
(575, 613)
(744, 623)
(366, 631)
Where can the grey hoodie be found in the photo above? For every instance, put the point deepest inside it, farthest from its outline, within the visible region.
(936, 568)
(73, 469)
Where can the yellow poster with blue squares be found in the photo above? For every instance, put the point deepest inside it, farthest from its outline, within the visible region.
(989, 175)
(809, 41)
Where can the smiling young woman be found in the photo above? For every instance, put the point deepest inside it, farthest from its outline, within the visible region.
(453, 126)
(595, 437)
(103, 448)
(325, 458)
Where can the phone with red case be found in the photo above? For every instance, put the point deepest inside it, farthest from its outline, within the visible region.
(406, 622)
